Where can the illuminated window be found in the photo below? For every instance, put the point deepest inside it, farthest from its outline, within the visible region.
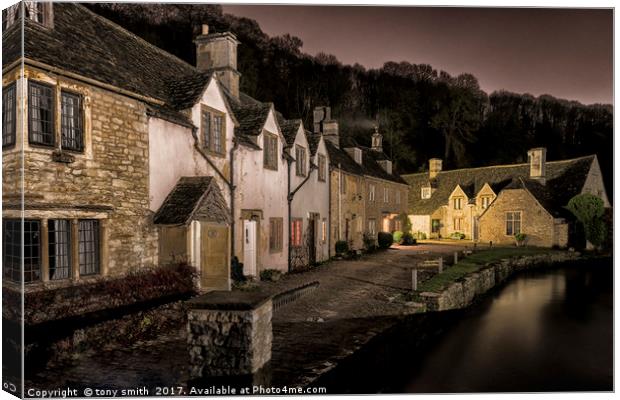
(426, 192)
(296, 232)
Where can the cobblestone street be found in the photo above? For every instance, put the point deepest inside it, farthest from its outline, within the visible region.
(356, 300)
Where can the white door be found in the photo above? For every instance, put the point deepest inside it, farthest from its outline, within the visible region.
(249, 247)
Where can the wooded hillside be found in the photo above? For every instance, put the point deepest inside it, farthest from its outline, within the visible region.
(422, 112)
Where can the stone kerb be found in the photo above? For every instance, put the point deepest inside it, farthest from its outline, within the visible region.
(229, 333)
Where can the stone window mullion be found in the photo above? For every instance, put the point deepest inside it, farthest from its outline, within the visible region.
(45, 261)
(75, 255)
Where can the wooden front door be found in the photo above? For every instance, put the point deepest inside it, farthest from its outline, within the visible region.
(214, 256)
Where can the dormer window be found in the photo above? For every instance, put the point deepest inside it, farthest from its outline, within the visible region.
(426, 192)
(485, 201)
(37, 11)
(300, 161)
(270, 151)
(213, 129)
(457, 203)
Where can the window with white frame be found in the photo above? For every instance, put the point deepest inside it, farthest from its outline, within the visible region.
(513, 223)
(371, 192)
(372, 226)
(386, 195)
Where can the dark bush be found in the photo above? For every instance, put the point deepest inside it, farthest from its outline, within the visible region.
(408, 240)
(105, 293)
(272, 275)
(385, 240)
(236, 270)
(342, 247)
(370, 243)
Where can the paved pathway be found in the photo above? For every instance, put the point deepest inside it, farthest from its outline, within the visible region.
(356, 300)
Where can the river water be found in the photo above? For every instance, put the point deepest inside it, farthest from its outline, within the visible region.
(543, 331)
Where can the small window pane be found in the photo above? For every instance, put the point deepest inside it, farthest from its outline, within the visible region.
(59, 237)
(41, 114)
(12, 249)
(218, 146)
(71, 125)
(9, 103)
(88, 246)
(206, 128)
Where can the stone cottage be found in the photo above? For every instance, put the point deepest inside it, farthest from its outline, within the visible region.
(366, 194)
(108, 138)
(493, 204)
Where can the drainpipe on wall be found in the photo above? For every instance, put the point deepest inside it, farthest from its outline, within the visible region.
(229, 183)
(339, 201)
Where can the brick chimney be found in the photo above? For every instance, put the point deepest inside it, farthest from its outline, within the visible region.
(537, 158)
(377, 141)
(325, 125)
(434, 167)
(217, 52)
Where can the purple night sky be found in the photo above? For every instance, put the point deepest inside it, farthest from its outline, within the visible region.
(567, 53)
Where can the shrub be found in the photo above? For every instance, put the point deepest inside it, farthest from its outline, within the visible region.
(105, 293)
(370, 243)
(420, 235)
(520, 238)
(342, 247)
(236, 270)
(385, 240)
(405, 222)
(457, 236)
(589, 211)
(272, 275)
(408, 240)
(397, 236)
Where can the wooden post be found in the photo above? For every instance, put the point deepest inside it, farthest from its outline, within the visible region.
(456, 257)
(45, 259)
(414, 279)
(440, 265)
(75, 249)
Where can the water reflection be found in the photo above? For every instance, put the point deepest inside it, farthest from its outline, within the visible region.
(547, 331)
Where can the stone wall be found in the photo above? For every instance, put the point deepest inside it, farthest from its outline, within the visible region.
(379, 208)
(229, 334)
(461, 294)
(108, 180)
(536, 222)
(347, 208)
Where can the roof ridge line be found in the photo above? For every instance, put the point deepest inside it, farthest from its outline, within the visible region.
(504, 165)
(149, 44)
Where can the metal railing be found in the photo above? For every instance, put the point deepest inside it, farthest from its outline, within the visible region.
(291, 295)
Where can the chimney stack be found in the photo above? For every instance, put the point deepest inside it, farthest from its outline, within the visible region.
(537, 159)
(377, 141)
(217, 52)
(434, 167)
(324, 124)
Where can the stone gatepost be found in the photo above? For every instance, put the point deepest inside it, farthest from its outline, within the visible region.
(229, 333)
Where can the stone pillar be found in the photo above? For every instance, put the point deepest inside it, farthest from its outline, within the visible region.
(229, 334)
(75, 250)
(45, 256)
